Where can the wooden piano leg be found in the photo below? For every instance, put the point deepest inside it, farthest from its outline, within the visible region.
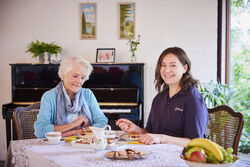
(8, 131)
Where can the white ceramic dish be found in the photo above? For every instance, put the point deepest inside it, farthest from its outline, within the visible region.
(197, 164)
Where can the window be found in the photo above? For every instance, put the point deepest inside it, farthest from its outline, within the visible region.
(234, 57)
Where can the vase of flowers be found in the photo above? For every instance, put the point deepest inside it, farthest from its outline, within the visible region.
(133, 44)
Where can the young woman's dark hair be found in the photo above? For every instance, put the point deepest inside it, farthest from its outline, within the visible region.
(186, 80)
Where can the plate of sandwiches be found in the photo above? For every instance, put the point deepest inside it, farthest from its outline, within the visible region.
(82, 143)
(131, 136)
(128, 154)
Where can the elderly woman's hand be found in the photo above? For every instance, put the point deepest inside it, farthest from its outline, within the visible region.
(72, 132)
(150, 138)
(79, 121)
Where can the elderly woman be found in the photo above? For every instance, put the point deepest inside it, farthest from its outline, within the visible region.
(178, 111)
(68, 107)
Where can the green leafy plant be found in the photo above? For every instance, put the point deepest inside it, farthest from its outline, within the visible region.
(239, 65)
(241, 80)
(215, 94)
(38, 47)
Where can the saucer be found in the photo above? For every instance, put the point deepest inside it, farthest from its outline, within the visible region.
(46, 141)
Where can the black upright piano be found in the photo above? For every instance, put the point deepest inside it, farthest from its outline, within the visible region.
(118, 88)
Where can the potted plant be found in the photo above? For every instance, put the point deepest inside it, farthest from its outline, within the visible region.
(43, 50)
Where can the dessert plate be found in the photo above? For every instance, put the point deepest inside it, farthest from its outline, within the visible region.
(127, 154)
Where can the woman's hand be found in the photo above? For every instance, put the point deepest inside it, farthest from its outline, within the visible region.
(126, 125)
(75, 124)
(72, 132)
(79, 121)
(150, 138)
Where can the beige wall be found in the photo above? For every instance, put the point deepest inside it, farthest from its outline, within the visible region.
(190, 24)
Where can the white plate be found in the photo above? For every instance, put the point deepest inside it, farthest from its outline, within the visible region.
(125, 137)
(46, 141)
(90, 147)
(80, 145)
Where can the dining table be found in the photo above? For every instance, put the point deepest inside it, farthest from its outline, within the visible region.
(39, 153)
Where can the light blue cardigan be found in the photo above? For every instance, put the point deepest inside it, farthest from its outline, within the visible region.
(47, 114)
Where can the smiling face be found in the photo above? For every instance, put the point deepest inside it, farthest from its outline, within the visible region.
(172, 70)
(74, 79)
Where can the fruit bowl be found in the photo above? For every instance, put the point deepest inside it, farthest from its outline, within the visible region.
(197, 164)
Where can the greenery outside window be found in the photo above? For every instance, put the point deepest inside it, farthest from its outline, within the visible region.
(234, 58)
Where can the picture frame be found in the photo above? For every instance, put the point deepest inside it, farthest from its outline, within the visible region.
(126, 20)
(88, 20)
(105, 55)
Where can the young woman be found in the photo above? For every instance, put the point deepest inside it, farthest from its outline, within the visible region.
(68, 107)
(178, 112)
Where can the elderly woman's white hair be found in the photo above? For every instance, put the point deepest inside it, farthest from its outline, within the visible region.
(67, 63)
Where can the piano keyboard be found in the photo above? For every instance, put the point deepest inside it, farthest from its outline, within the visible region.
(116, 110)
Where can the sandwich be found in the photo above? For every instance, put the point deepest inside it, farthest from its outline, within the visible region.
(134, 135)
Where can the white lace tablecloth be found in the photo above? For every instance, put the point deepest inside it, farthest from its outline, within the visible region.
(35, 152)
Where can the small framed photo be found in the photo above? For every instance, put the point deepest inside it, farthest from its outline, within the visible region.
(105, 55)
(88, 20)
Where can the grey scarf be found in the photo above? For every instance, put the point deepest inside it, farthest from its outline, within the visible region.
(64, 106)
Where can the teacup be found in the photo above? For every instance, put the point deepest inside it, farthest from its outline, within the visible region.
(53, 137)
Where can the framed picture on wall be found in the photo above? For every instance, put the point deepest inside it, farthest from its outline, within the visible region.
(126, 20)
(105, 55)
(88, 20)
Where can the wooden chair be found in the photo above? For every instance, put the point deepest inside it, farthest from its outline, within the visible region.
(24, 118)
(225, 127)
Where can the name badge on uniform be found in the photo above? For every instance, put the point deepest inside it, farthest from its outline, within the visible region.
(178, 109)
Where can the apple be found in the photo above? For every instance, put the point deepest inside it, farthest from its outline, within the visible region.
(197, 156)
(193, 149)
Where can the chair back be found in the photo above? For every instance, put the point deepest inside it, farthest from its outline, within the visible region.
(24, 118)
(225, 127)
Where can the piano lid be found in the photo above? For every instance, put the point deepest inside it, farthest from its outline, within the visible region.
(115, 75)
(112, 84)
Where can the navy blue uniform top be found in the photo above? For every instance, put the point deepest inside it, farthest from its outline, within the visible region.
(184, 115)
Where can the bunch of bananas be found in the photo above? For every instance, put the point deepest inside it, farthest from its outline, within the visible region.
(207, 151)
